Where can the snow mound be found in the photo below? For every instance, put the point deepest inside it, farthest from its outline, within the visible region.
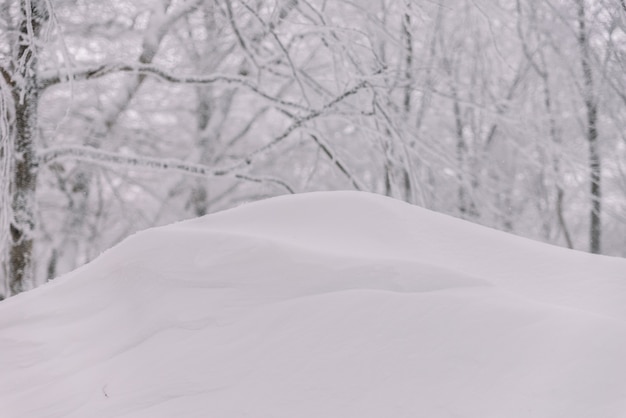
(335, 304)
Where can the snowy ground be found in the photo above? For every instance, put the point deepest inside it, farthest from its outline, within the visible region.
(324, 305)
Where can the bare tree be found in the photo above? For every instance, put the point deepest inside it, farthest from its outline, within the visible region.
(120, 115)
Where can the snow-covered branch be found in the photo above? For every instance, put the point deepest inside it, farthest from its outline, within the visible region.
(299, 122)
(96, 156)
(163, 74)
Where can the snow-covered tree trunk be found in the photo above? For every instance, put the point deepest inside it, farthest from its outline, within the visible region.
(25, 94)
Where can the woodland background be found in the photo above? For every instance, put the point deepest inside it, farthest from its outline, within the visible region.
(119, 115)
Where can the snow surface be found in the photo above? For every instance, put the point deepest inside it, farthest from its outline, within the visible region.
(335, 304)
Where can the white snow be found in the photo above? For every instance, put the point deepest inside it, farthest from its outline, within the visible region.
(337, 304)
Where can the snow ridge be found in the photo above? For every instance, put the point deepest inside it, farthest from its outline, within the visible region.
(331, 304)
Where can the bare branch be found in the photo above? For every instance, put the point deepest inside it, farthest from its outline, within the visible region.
(237, 32)
(104, 70)
(340, 165)
(298, 123)
(278, 182)
(96, 156)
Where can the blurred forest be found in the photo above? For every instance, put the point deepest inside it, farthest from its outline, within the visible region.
(119, 115)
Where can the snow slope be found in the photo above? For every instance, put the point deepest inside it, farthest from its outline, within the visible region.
(339, 304)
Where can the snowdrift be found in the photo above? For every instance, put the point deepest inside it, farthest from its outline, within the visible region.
(341, 304)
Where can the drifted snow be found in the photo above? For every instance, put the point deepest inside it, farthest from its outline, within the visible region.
(323, 305)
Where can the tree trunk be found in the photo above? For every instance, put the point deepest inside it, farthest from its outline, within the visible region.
(408, 58)
(591, 105)
(461, 151)
(24, 176)
(199, 198)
